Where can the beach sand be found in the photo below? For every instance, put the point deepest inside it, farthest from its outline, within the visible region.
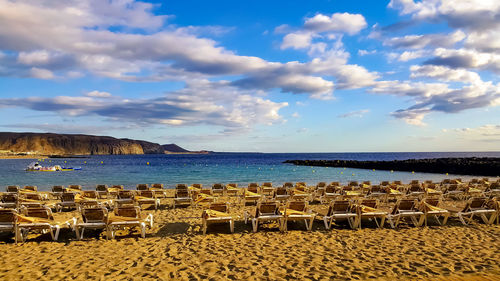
(175, 249)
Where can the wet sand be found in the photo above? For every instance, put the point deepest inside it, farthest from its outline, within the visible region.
(175, 249)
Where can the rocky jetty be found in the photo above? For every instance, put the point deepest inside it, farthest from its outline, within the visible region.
(461, 166)
(69, 144)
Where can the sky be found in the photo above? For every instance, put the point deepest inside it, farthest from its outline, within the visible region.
(268, 76)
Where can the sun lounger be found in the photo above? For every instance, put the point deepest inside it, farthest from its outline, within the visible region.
(406, 208)
(67, 201)
(114, 190)
(147, 197)
(30, 188)
(251, 194)
(102, 190)
(142, 186)
(298, 210)
(9, 200)
(13, 188)
(477, 206)
(331, 193)
(267, 212)
(129, 217)
(218, 189)
(281, 194)
(92, 218)
(8, 222)
(454, 191)
(340, 210)
(125, 197)
(74, 188)
(57, 191)
(159, 190)
(41, 219)
(182, 196)
(217, 213)
(232, 189)
(415, 190)
(430, 207)
(368, 209)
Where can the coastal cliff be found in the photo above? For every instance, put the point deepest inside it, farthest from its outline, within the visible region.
(69, 144)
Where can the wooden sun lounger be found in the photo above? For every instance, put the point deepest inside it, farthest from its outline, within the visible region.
(266, 212)
(340, 210)
(93, 218)
(217, 213)
(8, 222)
(368, 209)
(477, 206)
(406, 208)
(430, 207)
(298, 210)
(129, 217)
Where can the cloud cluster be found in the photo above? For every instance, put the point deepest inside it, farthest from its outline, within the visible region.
(201, 102)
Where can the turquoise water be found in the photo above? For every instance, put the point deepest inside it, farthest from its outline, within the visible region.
(241, 168)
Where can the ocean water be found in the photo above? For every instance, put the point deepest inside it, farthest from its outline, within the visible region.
(241, 168)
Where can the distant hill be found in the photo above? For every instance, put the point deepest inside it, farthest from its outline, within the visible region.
(76, 144)
(174, 148)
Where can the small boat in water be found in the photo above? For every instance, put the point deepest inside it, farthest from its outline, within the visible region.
(36, 167)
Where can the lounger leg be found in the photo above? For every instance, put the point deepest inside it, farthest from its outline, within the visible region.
(58, 228)
(461, 218)
(445, 219)
(311, 222)
(231, 225)
(143, 230)
(204, 227)
(254, 225)
(325, 220)
(382, 221)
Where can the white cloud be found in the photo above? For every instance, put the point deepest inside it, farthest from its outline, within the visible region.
(444, 73)
(297, 40)
(98, 94)
(366, 52)
(41, 73)
(337, 22)
(485, 133)
(357, 113)
(422, 41)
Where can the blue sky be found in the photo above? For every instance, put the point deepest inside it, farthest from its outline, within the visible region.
(270, 76)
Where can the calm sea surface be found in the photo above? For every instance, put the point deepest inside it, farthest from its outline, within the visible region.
(241, 168)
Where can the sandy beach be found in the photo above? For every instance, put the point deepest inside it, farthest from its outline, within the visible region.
(176, 249)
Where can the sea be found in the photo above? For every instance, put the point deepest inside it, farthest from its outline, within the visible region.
(207, 169)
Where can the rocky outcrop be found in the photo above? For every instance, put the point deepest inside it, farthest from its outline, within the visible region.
(462, 166)
(174, 148)
(68, 144)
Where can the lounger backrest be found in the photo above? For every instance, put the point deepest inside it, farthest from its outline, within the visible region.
(221, 207)
(217, 186)
(157, 185)
(147, 193)
(183, 186)
(235, 185)
(254, 189)
(142, 186)
(8, 216)
(446, 181)
(353, 183)
(196, 185)
(68, 197)
(404, 205)
(341, 206)
(96, 214)
(43, 212)
(75, 186)
(348, 188)
(375, 189)
(330, 189)
(397, 182)
(128, 211)
(335, 183)
(101, 187)
(253, 184)
(13, 188)
(58, 188)
(452, 187)
(125, 194)
(9, 198)
(297, 206)
(415, 187)
(89, 194)
(477, 203)
(301, 183)
(321, 184)
(432, 201)
(428, 182)
(384, 183)
(267, 184)
(31, 187)
(267, 208)
(181, 193)
(474, 181)
(415, 182)
(117, 186)
(372, 203)
(367, 182)
(281, 191)
(288, 185)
